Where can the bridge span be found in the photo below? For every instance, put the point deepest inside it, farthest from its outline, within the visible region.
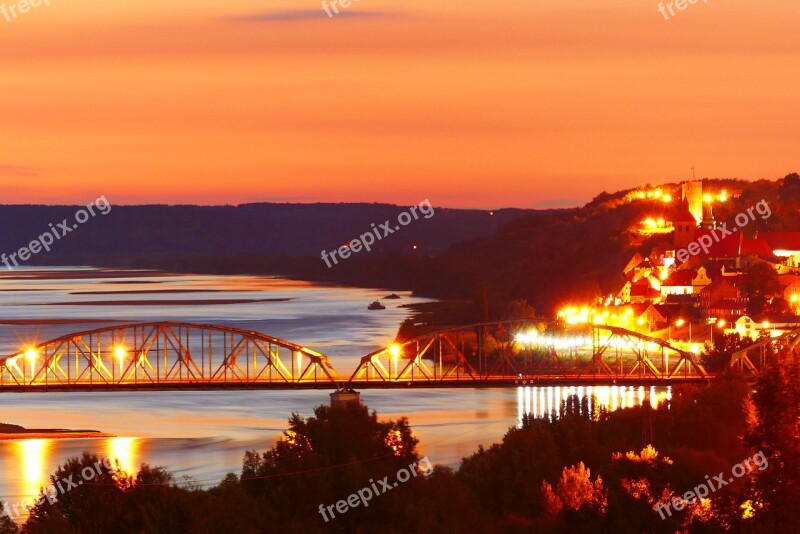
(185, 356)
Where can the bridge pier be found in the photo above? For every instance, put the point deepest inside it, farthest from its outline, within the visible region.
(345, 397)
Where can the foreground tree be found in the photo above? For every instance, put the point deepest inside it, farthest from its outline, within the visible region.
(773, 418)
(7, 526)
(337, 451)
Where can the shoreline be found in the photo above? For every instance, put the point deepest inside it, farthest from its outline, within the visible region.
(10, 432)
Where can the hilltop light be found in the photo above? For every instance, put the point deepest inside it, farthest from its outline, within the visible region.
(667, 198)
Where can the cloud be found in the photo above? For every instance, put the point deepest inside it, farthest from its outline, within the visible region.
(309, 14)
(19, 171)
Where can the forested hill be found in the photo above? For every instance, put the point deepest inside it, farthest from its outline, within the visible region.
(261, 229)
(544, 256)
(549, 258)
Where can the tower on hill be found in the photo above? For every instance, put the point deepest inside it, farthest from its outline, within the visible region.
(692, 194)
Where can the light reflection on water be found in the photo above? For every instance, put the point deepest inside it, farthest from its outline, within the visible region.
(30, 462)
(123, 452)
(547, 401)
(33, 456)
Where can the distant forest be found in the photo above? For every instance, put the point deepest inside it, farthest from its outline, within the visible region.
(543, 256)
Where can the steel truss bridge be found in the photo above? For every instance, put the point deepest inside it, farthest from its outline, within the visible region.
(752, 359)
(174, 356)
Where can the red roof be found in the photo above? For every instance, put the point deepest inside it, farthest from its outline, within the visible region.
(643, 288)
(682, 214)
(759, 247)
(728, 247)
(781, 240)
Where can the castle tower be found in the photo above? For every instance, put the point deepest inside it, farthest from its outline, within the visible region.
(692, 194)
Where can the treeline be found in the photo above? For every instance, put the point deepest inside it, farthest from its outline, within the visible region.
(588, 470)
(544, 257)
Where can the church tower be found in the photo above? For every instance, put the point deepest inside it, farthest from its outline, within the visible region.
(685, 225)
(708, 223)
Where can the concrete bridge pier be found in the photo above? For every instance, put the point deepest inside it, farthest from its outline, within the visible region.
(344, 397)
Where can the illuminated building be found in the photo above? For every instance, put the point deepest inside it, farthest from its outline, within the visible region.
(692, 195)
(784, 245)
(685, 282)
(722, 299)
(685, 225)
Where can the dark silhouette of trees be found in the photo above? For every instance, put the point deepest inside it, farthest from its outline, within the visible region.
(760, 286)
(773, 417)
(583, 471)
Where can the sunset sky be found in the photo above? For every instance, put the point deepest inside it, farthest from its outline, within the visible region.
(469, 103)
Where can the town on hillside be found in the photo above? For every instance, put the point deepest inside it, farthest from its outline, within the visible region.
(706, 278)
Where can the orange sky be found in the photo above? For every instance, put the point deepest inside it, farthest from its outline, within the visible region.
(469, 103)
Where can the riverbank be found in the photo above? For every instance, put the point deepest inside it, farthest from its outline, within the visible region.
(15, 432)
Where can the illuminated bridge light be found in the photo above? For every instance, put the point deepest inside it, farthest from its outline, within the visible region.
(31, 354)
(120, 352)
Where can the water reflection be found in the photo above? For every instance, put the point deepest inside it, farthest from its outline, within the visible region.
(28, 463)
(33, 455)
(125, 452)
(547, 401)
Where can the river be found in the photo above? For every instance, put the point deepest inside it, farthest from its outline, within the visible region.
(203, 435)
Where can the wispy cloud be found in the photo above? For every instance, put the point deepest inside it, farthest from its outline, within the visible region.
(310, 14)
(19, 171)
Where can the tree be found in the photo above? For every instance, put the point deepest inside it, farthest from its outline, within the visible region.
(760, 286)
(75, 510)
(7, 526)
(718, 358)
(774, 430)
(327, 456)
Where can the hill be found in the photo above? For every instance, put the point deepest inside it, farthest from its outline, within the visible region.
(546, 257)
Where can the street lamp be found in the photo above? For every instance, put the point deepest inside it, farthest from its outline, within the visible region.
(720, 324)
(680, 322)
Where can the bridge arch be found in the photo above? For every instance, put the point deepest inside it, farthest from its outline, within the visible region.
(601, 353)
(751, 359)
(163, 355)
